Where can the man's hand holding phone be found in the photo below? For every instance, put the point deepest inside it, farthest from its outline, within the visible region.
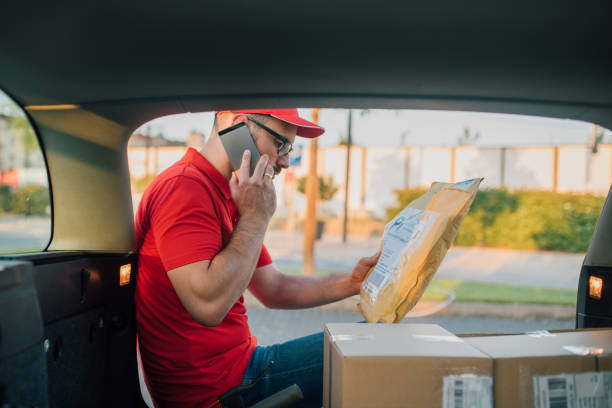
(254, 195)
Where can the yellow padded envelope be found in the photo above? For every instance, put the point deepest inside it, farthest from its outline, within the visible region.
(413, 245)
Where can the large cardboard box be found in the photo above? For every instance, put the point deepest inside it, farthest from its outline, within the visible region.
(604, 362)
(402, 365)
(604, 356)
(520, 358)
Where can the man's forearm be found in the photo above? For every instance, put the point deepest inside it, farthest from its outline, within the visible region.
(231, 269)
(309, 291)
(277, 290)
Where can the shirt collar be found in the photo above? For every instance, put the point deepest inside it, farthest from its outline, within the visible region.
(195, 157)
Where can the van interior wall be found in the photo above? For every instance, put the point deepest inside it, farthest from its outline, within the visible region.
(89, 179)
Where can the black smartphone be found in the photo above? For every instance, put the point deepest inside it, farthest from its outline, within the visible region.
(236, 139)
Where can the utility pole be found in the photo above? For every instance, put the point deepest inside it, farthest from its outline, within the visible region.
(595, 140)
(348, 174)
(147, 149)
(289, 198)
(312, 192)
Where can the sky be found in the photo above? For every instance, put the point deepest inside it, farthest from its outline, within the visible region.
(412, 128)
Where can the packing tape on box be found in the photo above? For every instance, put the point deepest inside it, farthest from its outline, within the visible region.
(355, 337)
(350, 337)
(540, 333)
(448, 339)
(585, 351)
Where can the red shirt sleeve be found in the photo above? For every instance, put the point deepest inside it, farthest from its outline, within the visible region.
(264, 257)
(184, 223)
(186, 226)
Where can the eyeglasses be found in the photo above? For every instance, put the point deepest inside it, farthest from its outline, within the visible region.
(285, 148)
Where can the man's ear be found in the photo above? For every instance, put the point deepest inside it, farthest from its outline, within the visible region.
(238, 117)
(226, 119)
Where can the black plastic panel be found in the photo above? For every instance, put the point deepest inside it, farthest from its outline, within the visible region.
(90, 324)
(38, 258)
(63, 292)
(23, 379)
(591, 312)
(589, 321)
(23, 376)
(76, 361)
(20, 320)
(79, 325)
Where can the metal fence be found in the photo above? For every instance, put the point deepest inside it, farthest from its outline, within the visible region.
(377, 171)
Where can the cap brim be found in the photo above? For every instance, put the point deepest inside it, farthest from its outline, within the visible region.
(291, 116)
(305, 128)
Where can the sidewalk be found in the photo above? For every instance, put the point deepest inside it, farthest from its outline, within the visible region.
(427, 308)
(493, 265)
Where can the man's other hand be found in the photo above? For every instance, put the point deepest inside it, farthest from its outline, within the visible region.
(360, 271)
(254, 195)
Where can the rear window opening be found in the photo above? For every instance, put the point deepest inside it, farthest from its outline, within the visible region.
(25, 204)
(519, 250)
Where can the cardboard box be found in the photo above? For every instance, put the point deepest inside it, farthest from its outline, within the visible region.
(604, 363)
(401, 365)
(520, 358)
(602, 340)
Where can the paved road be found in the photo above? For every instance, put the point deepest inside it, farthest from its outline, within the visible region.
(529, 268)
(277, 326)
(20, 233)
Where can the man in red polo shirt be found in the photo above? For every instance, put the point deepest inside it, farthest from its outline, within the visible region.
(200, 231)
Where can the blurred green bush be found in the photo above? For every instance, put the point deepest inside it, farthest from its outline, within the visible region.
(327, 189)
(523, 219)
(5, 198)
(31, 199)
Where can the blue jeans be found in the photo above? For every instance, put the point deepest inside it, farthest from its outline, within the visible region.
(298, 361)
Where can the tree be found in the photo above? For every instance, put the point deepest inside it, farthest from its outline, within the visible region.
(20, 129)
(327, 189)
(23, 131)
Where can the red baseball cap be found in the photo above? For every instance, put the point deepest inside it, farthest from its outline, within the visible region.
(291, 116)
